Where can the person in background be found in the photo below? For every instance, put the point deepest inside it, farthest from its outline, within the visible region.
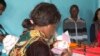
(95, 29)
(2, 6)
(2, 9)
(44, 19)
(3, 33)
(75, 25)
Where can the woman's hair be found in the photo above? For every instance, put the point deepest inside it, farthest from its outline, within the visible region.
(95, 16)
(3, 3)
(27, 23)
(74, 6)
(44, 14)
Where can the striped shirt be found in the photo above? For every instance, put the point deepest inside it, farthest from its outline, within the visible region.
(77, 29)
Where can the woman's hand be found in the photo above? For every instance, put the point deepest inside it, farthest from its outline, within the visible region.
(66, 52)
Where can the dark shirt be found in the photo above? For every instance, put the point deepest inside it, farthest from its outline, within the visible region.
(92, 33)
(38, 48)
(75, 28)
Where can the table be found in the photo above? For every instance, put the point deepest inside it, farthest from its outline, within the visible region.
(86, 50)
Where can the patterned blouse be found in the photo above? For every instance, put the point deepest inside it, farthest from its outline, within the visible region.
(34, 45)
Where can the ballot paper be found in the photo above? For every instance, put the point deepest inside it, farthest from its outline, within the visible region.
(64, 37)
(62, 43)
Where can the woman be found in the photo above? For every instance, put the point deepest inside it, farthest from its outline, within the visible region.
(95, 29)
(3, 33)
(43, 19)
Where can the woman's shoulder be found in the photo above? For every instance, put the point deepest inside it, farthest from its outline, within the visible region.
(40, 48)
(39, 43)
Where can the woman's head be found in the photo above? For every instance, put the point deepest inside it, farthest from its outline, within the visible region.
(45, 16)
(2, 6)
(97, 15)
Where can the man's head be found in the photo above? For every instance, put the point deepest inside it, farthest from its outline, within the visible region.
(2, 6)
(74, 10)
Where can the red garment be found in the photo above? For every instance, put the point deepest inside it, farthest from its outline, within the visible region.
(98, 38)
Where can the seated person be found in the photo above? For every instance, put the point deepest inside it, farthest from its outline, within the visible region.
(75, 25)
(95, 29)
(2, 30)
